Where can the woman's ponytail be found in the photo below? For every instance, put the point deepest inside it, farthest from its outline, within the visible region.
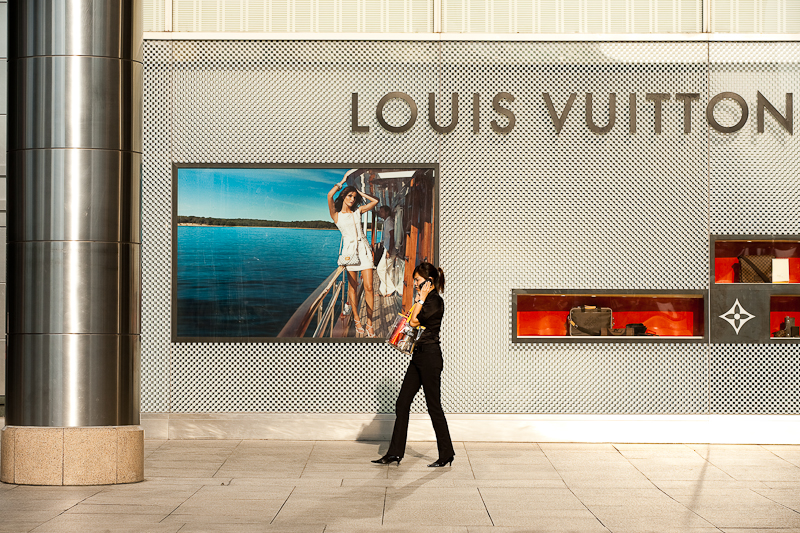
(440, 286)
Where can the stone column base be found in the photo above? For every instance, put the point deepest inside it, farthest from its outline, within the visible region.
(102, 455)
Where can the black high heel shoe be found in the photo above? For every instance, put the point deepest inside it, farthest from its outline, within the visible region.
(442, 462)
(388, 459)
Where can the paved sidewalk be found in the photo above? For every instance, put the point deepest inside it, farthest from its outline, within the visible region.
(331, 487)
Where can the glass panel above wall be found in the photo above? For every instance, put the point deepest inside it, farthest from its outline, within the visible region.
(304, 16)
(572, 16)
(755, 16)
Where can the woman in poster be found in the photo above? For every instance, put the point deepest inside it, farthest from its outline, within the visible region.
(425, 369)
(346, 213)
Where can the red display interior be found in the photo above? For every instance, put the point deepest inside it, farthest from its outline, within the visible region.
(726, 262)
(779, 308)
(665, 315)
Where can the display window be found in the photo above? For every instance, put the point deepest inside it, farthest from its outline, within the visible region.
(784, 317)
(754, 260)
(583, 315)
(258, 250)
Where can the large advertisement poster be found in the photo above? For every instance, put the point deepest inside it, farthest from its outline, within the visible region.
(257, 250)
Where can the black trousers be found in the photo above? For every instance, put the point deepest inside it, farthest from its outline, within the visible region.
(425, 370)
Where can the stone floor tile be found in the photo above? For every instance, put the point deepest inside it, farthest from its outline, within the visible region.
(533, 499)
(241, 486)
(508, 457)
(402, 482)
(502, 446)
(282, 473)
(763, 473)
(282, 482)
(787, 497)
(239, 492)
(655, 524)
(30, 492)
(570, 527)
(638, 527)
(418, 474)
(721, 498)
(264, 510)
(471, 495)
(768, 530)
(232, 522)
(512, 483)
(580, 447)
(100, 524)
(589, 480)
(16, 521)
(184, 481)
(566, 521)
(589, 496)
(679, 486)
(522, 471)
(684, 472)
(774, 517)
(385, 528)
(438, 513)
(132, 507)
(239, 527)
(658, 511)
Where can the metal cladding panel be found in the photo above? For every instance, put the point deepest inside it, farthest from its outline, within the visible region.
(290, 101)
(754, 179)
(527, 209)
(755, 379)
(156, 230)
(755, 189)
(538, 209)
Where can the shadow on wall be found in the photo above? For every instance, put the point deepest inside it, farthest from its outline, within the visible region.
(381, 425)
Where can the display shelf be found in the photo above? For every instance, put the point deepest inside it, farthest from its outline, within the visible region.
(541, 316)
(726, 251)
(780, 307)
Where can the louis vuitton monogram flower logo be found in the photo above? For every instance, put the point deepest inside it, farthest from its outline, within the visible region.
(737, 316)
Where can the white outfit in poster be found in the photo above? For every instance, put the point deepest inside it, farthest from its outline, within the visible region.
(350, 226)
(386, 263)
(396, 270)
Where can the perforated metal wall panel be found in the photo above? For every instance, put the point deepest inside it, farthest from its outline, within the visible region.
(156, 227)
(753, 379)
(527, 209)
(754, 177)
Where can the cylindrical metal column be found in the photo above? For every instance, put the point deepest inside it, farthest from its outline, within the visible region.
(74, 138)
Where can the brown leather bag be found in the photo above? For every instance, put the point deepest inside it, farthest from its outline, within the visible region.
(588, 320)
(756, 268)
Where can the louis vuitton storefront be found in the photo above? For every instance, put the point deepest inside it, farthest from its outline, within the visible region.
(543, 177)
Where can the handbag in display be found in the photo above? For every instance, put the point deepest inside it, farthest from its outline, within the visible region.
(789, 329)
(755, 268)
(616, 332)
(588, 320)
(348, 255)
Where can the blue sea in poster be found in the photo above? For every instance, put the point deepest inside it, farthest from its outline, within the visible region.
(247, 282)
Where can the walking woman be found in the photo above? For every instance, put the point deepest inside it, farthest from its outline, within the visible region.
(425, 369)
(346, 214)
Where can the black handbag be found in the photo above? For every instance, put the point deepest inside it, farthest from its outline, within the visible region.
(588, 321)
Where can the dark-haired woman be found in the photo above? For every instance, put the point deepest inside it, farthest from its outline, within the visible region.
(425, 369)
(346, 213)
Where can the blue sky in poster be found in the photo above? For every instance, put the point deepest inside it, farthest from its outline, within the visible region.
(285, 194)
